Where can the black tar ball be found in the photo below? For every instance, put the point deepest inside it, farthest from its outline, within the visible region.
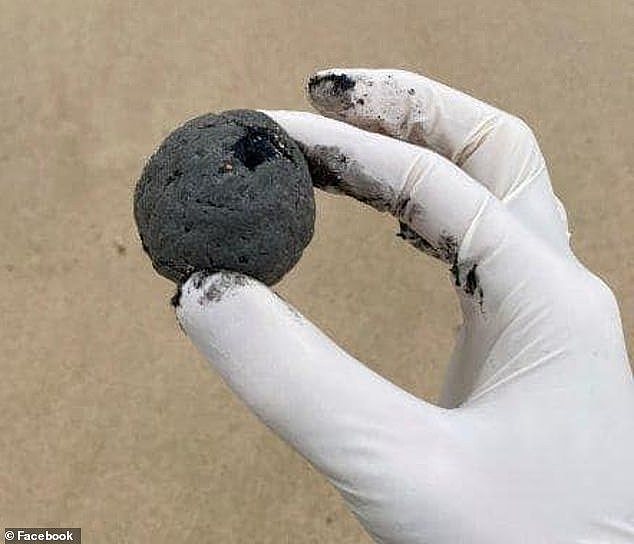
(228, 191)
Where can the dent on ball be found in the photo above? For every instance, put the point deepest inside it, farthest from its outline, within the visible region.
(227, 191)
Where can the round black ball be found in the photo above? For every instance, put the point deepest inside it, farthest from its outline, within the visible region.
(227, 191)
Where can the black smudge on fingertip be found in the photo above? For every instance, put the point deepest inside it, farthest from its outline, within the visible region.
(335, 172)
(210, 289)
(331, 92)
(227, 281)
(326, 164)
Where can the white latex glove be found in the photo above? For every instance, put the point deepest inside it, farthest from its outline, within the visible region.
(535, 442)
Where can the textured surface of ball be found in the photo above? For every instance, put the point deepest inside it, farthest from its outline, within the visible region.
(227, 191)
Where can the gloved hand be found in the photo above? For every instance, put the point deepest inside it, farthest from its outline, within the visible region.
(535, 439)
